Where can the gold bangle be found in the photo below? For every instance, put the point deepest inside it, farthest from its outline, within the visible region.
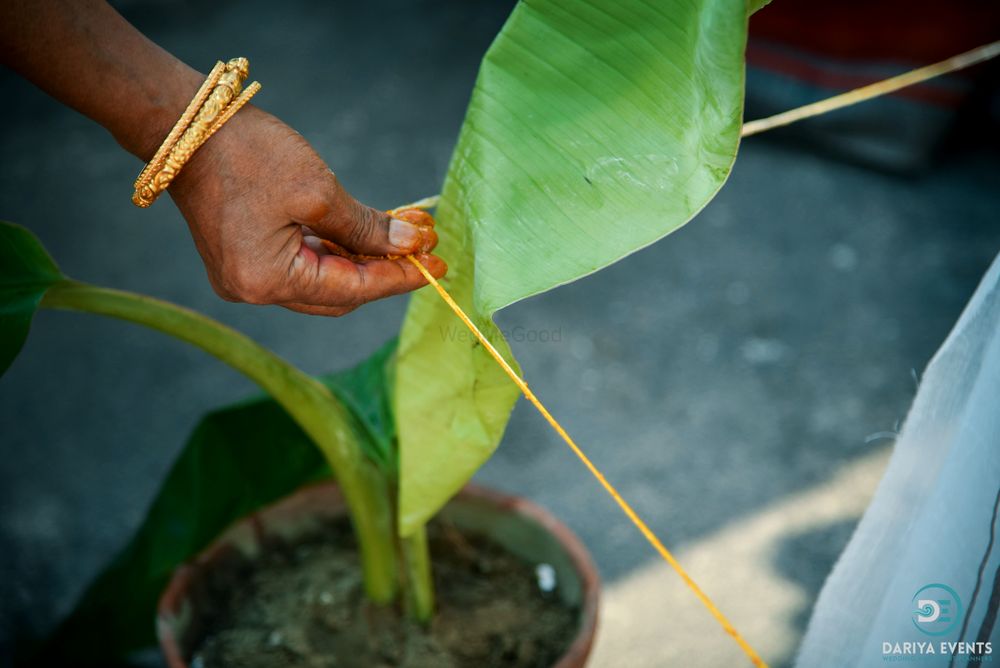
(182, 124)
(215, 103)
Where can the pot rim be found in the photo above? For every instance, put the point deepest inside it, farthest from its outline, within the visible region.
(575, 655)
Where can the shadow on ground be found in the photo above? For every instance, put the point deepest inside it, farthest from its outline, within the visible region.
(805, 559)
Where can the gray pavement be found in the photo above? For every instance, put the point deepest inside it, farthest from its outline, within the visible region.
(721, 374)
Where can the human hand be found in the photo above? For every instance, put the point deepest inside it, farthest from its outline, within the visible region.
(259, 201)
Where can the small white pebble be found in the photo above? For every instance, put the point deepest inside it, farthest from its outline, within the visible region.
(326, 598)
(274, 639)
(546, 577)
(763, 351)
(843, 257)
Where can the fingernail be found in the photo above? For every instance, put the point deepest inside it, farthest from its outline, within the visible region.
(403, 235)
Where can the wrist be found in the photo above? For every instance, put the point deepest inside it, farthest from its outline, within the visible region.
(159, 102)
(217, 100)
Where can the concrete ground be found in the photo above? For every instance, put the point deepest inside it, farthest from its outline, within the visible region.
(739, 381)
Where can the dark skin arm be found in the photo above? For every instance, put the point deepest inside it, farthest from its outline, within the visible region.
(256, 197)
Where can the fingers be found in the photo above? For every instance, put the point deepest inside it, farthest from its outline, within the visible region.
(367, 231)
(334, 282)
(316, 282)
(309, 309)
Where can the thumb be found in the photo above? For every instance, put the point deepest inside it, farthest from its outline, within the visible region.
(366, 231)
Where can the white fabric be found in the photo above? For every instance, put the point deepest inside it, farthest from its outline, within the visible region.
(932, 517)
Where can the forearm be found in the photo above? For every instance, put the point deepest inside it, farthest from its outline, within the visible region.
(84, 54)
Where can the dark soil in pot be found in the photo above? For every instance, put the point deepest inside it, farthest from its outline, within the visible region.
(301, 604)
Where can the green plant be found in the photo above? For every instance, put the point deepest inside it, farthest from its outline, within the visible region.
(218, 476)
(595, 128)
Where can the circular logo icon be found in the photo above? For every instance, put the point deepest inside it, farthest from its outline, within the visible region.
(936, 609)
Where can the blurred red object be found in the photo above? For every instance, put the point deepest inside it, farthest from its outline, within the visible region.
(801, 51)
(918, 31)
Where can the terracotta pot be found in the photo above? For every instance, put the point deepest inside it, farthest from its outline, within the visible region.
(520, 526)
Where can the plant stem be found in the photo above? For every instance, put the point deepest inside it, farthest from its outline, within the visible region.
(417, 572)
(307, 400)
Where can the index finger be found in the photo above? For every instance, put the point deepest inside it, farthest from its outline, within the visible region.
(331, 280)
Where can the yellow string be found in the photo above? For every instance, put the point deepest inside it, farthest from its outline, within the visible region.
(884, 87)
(892, 84)
(622, 503)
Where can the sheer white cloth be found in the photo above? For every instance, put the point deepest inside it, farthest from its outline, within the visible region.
(933, 519)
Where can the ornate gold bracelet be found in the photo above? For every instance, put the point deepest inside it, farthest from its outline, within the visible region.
(215, 103)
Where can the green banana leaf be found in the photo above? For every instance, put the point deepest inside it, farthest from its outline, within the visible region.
(595, 128)
(237, 460)
(26, 272)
